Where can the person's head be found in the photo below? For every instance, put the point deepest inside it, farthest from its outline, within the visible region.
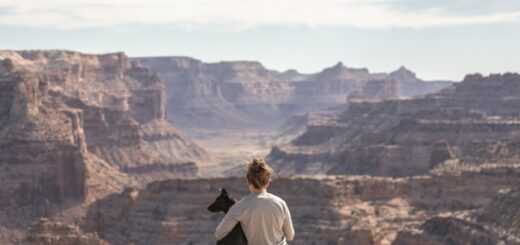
(258, 175)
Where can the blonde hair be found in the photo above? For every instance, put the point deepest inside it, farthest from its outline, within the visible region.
(259, 173)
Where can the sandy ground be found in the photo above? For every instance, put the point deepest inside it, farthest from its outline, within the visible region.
(231, 149)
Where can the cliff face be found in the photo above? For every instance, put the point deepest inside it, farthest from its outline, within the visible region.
(224, 94)
(448, 230)
(496, 223)
(121, 107)
(325, 210)
(46, 232)
(43, 154)
(410, 85)
(246, 94)
(75, 127)
(469, 121)
(176, 211)
(62, 111)
(503, 213)
(43, 158)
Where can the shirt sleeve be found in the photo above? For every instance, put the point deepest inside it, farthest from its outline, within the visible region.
(288, 229)
(228, 223)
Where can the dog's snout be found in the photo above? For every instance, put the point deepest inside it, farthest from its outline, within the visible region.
(213, 208)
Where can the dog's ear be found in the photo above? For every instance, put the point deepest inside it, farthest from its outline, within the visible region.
(223, 191)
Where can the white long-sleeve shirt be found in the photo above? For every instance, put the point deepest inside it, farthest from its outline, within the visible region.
(265, 219)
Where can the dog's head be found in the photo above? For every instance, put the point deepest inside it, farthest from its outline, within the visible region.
(223, 202)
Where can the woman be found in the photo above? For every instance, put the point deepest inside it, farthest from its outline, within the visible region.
(264, 217)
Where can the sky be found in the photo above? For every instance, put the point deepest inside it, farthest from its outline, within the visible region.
(437, 39)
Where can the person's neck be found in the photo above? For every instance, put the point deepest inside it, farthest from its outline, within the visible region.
(259, 191)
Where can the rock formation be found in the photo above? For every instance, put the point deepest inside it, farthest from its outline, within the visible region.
(77, 130)
(325, 209)
(503, 214)
(439, 230)
(410, 85)
(496, 223)
(245, 94)
(116, 107)
(468, 121)
(44, 155)
(75, 127)
(46, 232)
(175, 211)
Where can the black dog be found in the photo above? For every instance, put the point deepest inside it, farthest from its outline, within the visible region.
(223, 203)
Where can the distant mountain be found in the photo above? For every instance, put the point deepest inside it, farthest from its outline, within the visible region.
(474, 121)
(245, 94)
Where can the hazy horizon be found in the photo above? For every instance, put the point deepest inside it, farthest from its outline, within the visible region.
(435, 39)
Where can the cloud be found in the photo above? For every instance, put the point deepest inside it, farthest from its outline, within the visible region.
(75, 14)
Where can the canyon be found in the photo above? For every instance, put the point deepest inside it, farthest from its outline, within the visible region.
(110, 150)
(473, 121)
(326, 209)
(238, 109)
(74, 127)
(245, 94)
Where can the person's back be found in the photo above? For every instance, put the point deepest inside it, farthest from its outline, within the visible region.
(265, 218)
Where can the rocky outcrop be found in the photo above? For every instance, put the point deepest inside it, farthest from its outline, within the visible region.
(215, 94)
(410, 85)
(296, 125)
(361, 237)
(75, 127)
(174, 211)
(377, 90)
(46, 232)
(439, 230)
(243, 94)
(496, 223)
(325, 209)
(411, 136)
(43, 155)
(503, 214)
(117, 105)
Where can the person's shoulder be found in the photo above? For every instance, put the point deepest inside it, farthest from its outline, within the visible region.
(276, 198)
(243, 203)
(245, 199)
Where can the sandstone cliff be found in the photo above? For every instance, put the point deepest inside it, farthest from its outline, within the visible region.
(495, 223)
(120, 108)
(325, 209)
(472, 120)
(503, 214)
(44, 155)
(75, 127)
(245, 94)
(46, 232)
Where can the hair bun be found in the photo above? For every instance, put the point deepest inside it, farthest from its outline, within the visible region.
(258, 164)
(259, 173)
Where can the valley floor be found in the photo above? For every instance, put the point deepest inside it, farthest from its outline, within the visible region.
(231, 149)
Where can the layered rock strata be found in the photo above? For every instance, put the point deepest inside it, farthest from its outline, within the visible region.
(334, 209)
(496, 223)
(247, 95)
(475, 121)
(75, 127)
(117, 105)
(44, 155)
(46, 232)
